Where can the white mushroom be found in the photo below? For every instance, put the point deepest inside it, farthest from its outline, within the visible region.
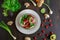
(27, 4)
(10, 23)
(46, 16)
(27, 38)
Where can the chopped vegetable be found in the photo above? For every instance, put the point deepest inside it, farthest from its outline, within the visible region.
(27, 21)
(12, 5)
(31, 24)
(43, 10)
(4, 26)
(53, 37)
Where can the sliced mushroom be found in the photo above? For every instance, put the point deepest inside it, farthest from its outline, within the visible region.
(10, 23)
(40, 3)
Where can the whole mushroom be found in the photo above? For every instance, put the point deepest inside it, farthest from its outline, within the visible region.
(27, 4)
(46, 16)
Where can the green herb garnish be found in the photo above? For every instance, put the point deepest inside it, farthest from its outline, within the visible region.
(31, 24)
(12, 5)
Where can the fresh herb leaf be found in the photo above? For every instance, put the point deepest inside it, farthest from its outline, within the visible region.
(12, 5)
(31, 24)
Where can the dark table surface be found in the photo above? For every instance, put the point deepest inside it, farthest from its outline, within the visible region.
(55, 6)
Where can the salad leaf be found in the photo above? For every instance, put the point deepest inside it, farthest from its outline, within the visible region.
(21, 20)
(23, 17)
(5, 27)
(31, 24)
(12, 5)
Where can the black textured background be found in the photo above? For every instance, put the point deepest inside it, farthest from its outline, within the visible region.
(55, 6)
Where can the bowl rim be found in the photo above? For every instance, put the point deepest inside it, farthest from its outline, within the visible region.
(30, 10)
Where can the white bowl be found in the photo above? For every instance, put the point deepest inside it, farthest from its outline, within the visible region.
(32, 30)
